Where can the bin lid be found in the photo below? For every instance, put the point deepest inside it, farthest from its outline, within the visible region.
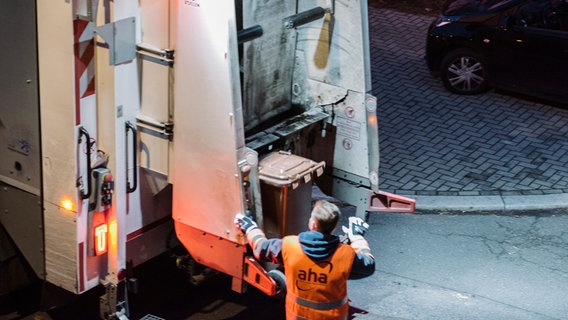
(283, 169)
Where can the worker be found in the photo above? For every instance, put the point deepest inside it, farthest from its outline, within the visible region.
(316, 263)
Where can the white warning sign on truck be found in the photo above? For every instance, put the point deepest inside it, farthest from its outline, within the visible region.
(348, 128)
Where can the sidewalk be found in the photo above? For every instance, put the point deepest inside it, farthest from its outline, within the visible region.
(491, 152)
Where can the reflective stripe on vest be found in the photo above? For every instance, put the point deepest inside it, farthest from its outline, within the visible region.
(321, 305)
(302, 318)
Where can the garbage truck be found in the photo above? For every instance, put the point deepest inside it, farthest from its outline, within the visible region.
(128, 125)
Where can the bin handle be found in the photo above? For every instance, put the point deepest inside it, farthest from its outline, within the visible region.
(316, 170)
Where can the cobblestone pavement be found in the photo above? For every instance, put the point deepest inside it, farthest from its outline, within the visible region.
(437, 143)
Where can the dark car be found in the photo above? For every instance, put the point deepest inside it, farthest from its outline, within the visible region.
(516, 45)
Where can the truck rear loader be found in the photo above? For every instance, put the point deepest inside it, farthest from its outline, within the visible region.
(126, 126)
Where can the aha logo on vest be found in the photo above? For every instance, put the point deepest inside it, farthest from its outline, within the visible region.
(316, 276)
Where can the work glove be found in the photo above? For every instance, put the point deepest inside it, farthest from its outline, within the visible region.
(356, 230)
(245, 223)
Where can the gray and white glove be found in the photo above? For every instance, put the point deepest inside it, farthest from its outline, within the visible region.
(356, 230)
(245, 223)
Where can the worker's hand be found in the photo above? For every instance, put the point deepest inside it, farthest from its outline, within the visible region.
(245, 223)
(357, 228)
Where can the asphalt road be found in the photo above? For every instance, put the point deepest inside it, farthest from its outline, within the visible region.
(474, 266)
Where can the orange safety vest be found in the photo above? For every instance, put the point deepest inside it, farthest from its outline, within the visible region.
(316, 289)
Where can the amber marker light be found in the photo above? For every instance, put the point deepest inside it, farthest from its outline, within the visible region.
(372, 120)
(68, 205)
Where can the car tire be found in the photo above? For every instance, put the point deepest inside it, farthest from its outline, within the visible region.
(464, 72)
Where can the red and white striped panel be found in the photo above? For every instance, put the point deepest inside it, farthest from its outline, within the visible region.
(84, 49)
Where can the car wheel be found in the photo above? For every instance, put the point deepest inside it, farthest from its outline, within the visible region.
(464, 72)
